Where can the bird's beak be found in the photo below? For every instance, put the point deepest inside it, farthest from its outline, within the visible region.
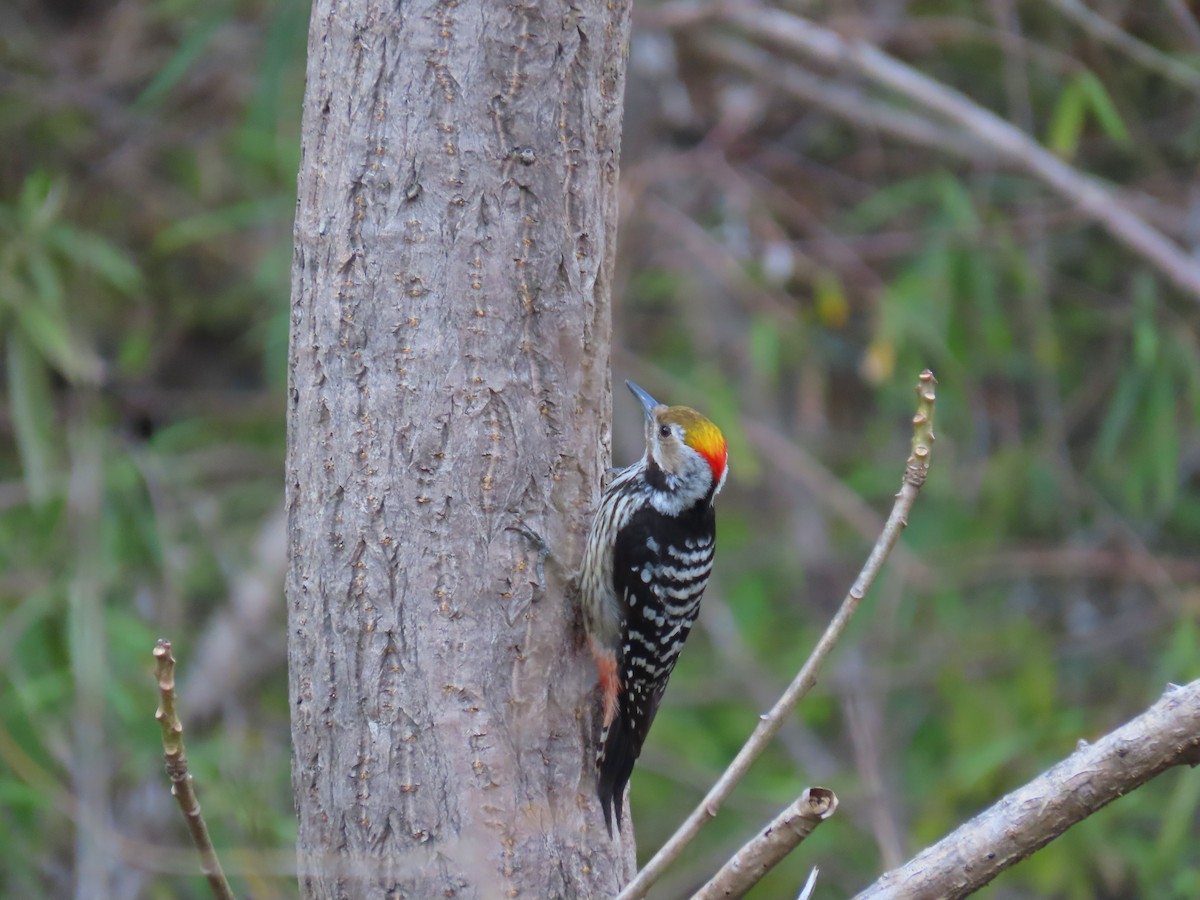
(649, 404)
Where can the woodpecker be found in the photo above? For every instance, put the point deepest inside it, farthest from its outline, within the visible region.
(648, 557)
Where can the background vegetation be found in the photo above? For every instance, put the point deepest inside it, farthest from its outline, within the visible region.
(788, 267)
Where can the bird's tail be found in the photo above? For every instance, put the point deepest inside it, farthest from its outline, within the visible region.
(619, 750)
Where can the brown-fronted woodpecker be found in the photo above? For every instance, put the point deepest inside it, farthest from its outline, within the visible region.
(648, 557)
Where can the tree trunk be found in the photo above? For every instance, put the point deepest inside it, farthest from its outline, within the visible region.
(449, 373)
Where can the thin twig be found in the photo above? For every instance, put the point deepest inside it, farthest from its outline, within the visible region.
(1166, 735)
(181, 780)
(1096, 199)
(769, 724)
(759, 685)
(1098, 27)
(1186, 20)
(842, 100)
(768, 848)
(863, 702)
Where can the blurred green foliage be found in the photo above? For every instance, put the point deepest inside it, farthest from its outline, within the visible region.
(1052, 590)
(147, 173)
(786, 272)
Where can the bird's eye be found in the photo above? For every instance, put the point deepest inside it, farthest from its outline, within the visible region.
(665, 430)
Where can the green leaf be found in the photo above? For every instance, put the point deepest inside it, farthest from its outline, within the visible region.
(45, 281)
(1120, 413)
(47, 330)
(190, 50)
(1082, 95)
(1145, 328)
(32, 408)
(1162, 443)
(1066, 124)
(90, 251)
(226, 220)
(16, 795)
(956, 202)
(890, 200)
(41, 201)
(1102, 107)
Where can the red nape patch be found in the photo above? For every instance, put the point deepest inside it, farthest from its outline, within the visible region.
(718, 460)
(708, 441)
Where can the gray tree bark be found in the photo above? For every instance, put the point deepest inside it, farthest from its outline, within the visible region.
(449, 372)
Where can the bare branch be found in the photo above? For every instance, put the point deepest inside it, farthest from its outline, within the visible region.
(843, 101)
(759, 685)
(769, 724)
(1099, 201)
(863, 703)
(815, 477)
(1099, 28)
(181, 780)
(1186, 21)
(747, 867)
(1166, 735)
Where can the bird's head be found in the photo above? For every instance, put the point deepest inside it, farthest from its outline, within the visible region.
(686, 447)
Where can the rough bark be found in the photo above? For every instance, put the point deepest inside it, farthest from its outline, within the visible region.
(449, 373)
